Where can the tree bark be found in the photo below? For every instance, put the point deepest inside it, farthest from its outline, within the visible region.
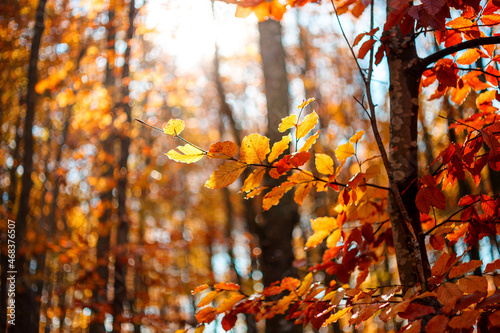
(26, 318)
(279, 222)
(403, 94)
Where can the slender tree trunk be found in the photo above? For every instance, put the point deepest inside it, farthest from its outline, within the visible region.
(403, 93)
(279, 222)
(121, 262)
(26, 318)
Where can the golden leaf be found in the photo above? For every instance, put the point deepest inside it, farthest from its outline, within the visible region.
(337, 315)
(306, 125)
(356, 137)
(344, 151)
(208, 298)
(227, 149)
(288, 122)
(301, 192)
(309, 142)
(254, 149)
(333, 239)
(301, 177)
(174, 127)
(253, 180)
(255, 192)
(324, 164)
(199, 329)
(306, 283)
(316, 238)
(199, 289)
(225, 175)
(324, 223)
(228, 303)
(279, 147)
(273, 197)
(305, 103)
(188, 154)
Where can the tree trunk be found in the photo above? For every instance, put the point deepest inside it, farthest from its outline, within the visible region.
(121, 262)
(26, 318)
(403, 93)
(279, 222)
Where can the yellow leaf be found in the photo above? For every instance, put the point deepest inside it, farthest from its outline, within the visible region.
(305, 103)
(301, 192)
(309, 142)
(254, 149)
(337, 315)
(199, 329)
(273, 197)
(174, 127)
(288, 122)
(324, 223)
(225, 175)
(344, 151)
(306, 125)
(324, 164)
(188, 154)
(242, 12)
(316, 238)
(333, 239)
(253, 180)
(279, 147)
(208, 298)
(255, 192)
(306, 283)
(356, 137)
(301, 177)
(228, 303)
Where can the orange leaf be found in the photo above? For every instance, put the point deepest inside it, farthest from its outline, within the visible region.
(254, 149)
(470, 56)
(208, 298)
(225, 175)
(199, 289)
(491, 267)
(227, 286)
(334, 238)
(229, 302)
(337, 315)
(306, 125)
(367, 46)
(464, 321)
(437, 324)
(226, 148)
(324, 223)
(464, 268)
(273, 197)
(301, 192)
(290, 283)
(473, 283)
(253, 180)
(206, 315)
(448, 293)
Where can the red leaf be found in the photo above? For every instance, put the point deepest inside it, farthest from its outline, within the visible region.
(414, 311)
(367, 46)
(229, 321)
(430, 196)
(433, 6)
(488, 205)
(437, 242)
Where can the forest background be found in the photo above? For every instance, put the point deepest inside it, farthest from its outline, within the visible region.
(110, 235)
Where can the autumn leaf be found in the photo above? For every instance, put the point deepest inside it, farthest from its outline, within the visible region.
(301, 192)
(367, 46)
(437, 324)
(228, 321)
(464, 268)
(226, 148)
(324, 164)
(225, 175)
(471, 283)
(206, 315)
(428, 196)
(227, 286)
(344, 151)
(316, 238)
(466, 320)
(174, 127)
(334, 238)
(469, 56)
(324, 223)
(305, 103)
(288, 122)
(186, 154)
(309, 142)
(230, 302)
(208, 298)
(279, 147)
(255, 192)
(356, 137)
(337, 315)
(199, 289)
(491, 267)
(306, 283)
(273, 197)
(253, 180)
(306, 125)
(290, 283)
(254, 149)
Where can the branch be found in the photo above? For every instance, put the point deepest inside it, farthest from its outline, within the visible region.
(422, 65)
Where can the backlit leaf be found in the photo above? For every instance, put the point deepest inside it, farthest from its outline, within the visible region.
(206, 315)
(306, 125)
(301, 192)
(199, 289)
(470, 56)
(356, 137)
(316, 238)
(208, 298)
(337, 315)
(279, 147)
(334, 238)
(186, 154)
(290, 283)
(288, 122)
(273, 197)
(254, 149)
(344, 151)
(227, 286)
(324, 223)
(253, 180)
(305, 103)
(428, 196)
(491, 267)
(227, 149)
(306, 283)
(324, 164)
(229, 302)
(174, 127)
(309, 142)
(225, 175)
